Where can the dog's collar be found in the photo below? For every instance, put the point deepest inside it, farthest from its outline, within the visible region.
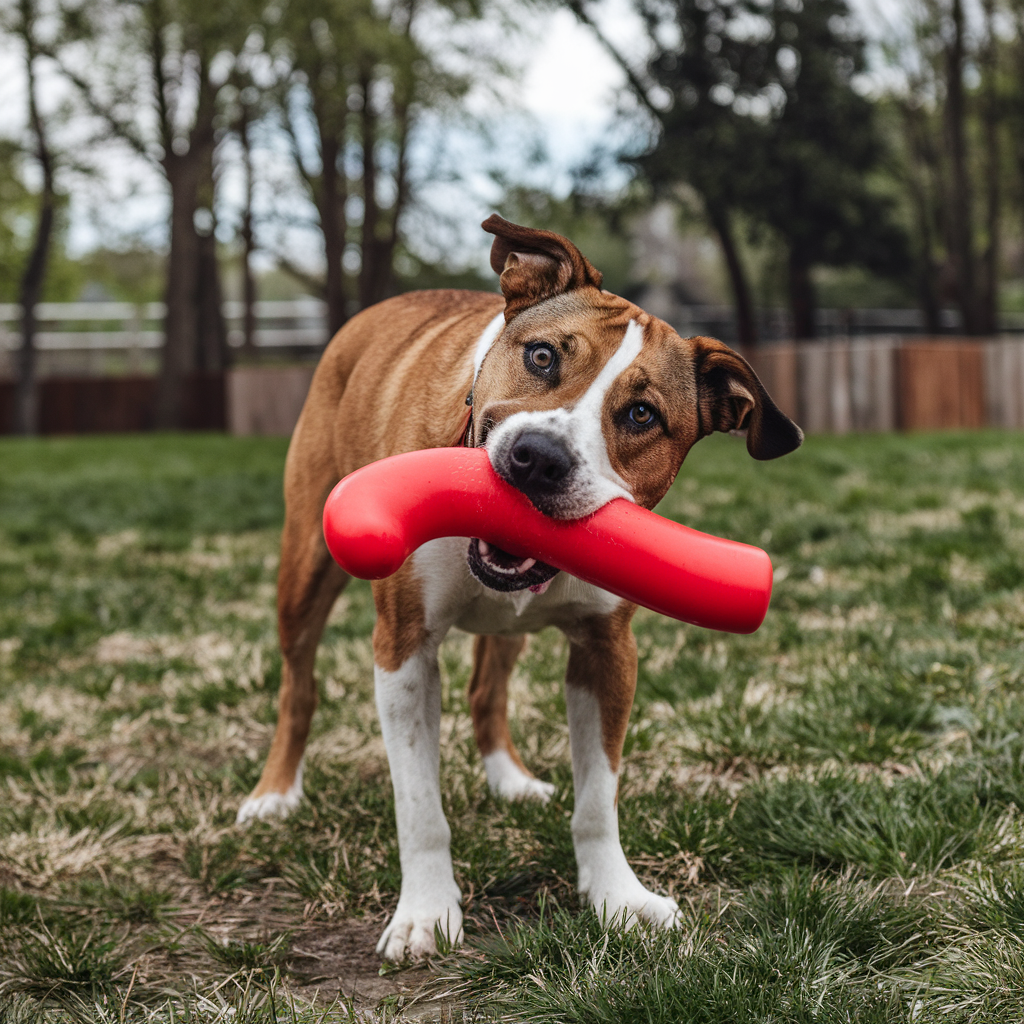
(466, 428)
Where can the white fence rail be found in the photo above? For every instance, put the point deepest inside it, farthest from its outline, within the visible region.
(111, 326)
(302, 323)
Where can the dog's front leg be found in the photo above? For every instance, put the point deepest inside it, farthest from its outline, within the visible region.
(408, 691)
(600, 683)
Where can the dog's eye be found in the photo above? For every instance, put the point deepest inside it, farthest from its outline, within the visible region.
(540, 358)
(642, 415)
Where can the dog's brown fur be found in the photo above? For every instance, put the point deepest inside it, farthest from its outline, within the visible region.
(396, 378)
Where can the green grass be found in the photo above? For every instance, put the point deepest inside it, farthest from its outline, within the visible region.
(837, 801)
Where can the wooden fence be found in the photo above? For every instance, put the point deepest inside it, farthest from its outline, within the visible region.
(858, 384)
(266, 400)
(889, 383)
(93, 405)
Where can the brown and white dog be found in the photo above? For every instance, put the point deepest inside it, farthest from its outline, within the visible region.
(579, 397)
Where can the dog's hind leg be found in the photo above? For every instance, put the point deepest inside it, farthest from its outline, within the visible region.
(494, 657)
(308, 584)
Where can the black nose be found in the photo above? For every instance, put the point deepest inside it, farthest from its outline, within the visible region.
(538, 464)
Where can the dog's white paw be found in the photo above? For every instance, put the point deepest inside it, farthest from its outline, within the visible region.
(410, 933)
(506, 779)
(271, 805)
(627, 909)
(620, 900)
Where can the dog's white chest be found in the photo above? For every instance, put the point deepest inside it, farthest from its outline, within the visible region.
(452, 597)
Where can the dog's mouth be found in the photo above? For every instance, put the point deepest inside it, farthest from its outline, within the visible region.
(502, 571)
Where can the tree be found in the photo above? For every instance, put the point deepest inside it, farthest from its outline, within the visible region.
(959, 197)
(153, 75)
(1015, 102)
(245, 114)
(701, 140)
(758, 113)
(357, 83)
(23, 24)
(812, 180)
(16, 205)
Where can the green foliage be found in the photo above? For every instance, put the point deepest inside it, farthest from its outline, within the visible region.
(597, 229)
(17, 221)
(133, 273)
(765, 119)
(358, 80)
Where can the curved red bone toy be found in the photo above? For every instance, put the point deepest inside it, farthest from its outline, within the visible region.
(377, 516)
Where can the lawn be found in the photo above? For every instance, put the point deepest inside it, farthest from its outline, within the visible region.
(836, 801)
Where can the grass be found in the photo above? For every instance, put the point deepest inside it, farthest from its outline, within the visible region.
(837, 801)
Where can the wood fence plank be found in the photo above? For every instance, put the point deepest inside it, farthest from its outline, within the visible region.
(775, 366)
(970, 366)
(840, 410)
(873, 383)
(8, 394)
(1004, 383)
(997, 409)
(813, 382)
(266, 400)
(941, 385)
(90, 405)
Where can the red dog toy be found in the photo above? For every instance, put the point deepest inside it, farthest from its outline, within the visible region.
(377, 516)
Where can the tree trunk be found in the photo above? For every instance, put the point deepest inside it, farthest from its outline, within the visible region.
(370, 270)
(180, 341)
(746, 323)
(27, 405)
(32, 278)
(211, 331)
(801, 296)
(386, 248)
(961, 233)
(248, 242)
(330, 200)
(194, 330)
(989, 298)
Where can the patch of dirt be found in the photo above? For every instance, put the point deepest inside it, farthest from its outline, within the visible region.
(341, 959)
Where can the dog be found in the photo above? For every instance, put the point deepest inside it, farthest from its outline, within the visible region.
(579, 397)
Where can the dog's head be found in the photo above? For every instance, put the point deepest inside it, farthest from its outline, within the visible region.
(583, 397)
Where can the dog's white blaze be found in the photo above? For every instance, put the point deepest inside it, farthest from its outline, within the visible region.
(409, 706)
(484, 343)
(272, 805)
(605, 878)
(580, 427)
(587, 413)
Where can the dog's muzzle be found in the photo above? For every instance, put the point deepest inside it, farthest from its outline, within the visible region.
(541, 466)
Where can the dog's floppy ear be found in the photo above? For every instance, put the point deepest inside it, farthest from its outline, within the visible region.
(731, 398)
(535, 264)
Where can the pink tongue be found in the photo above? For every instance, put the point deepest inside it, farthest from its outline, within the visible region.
(539, 588)
(523, 566)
